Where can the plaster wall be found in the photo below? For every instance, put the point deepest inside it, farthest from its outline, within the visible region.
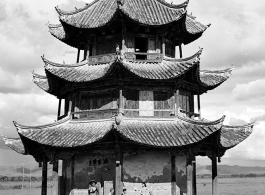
(154, 169)
(99, 167)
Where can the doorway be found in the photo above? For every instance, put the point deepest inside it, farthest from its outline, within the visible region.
(141, 46)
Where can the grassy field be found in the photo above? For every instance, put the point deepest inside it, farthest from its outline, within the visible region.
(227, 186)
(233, 186)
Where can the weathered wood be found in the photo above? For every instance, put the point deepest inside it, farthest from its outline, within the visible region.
(173, 175)
(44, 176)
(214, 176)
(163, 45)
(59, 109)
(199, 105)
(194, 176)
(177, 102)
(55, 178)
(180, 50)
(78, 55)
(190, 180)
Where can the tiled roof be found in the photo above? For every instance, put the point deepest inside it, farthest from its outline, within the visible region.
(80, 72)
(67, 133)
(100, 12)
(233, 135)
(194, 27)
(41, 81)
(85, 72)
(57, 31)
(174, 132)
(15, 144)
(213, 78)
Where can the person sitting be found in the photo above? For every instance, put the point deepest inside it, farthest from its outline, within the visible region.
(92, 189)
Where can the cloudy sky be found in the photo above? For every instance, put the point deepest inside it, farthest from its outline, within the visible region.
(236, 37)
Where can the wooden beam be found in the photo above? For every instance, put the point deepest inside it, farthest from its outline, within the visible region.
(199, 105)
(214, 176)
(44, 176)
(78, 55)
(59, 109)
(55, 179)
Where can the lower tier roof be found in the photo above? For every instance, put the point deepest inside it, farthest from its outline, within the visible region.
(153, 132)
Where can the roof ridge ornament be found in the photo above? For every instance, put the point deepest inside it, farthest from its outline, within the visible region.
(120, 3)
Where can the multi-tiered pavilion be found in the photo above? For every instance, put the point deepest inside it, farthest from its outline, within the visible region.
(126, 110)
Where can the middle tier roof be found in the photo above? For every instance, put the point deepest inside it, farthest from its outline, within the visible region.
(92, 70)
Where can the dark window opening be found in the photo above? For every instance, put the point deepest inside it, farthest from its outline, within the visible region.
(141, 46)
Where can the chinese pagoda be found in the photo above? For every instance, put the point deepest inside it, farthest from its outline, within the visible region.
(126, 111)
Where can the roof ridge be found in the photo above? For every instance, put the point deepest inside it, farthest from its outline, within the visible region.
(38, 75)
(48, 62)
(176, 6)
(189, 120)
(41, 126)
(218, 71)
(197, 54)
(251, 124)
(62, 12)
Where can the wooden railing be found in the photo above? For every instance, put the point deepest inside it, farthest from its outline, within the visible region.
(104, 58)
(108, 113)
(157, 57)
(95, 114)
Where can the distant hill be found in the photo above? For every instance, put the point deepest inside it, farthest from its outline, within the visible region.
(230, 170)
(17, 170)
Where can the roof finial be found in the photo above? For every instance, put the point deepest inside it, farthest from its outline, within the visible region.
(120, 3)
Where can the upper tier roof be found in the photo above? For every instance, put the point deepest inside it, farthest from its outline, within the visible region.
(166, 69)
(193, 28)
(154, 132)
(100, 12)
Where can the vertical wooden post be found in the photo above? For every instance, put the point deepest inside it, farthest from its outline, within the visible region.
(190, 181)
(177, 102)
(180, 50)
(199, 106)
(194, 176)
(164, 45)
(176, 51)
(59, 108)
(173, 176)
(55, 177)
(85, 52)
(214, 176)
(44, 176)
(78, 55)
(117, 181)
(121, 105)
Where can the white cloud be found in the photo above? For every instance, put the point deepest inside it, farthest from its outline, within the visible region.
(251, 90)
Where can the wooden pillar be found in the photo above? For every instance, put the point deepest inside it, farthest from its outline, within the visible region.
(117, 181)
(176, 51)
(59, 108)
(121, 105)
(190, 181)
(180, 50)
(44, 176)
(199, 106)
(177, 102)
(173, 176)
(214, 176)
(55, 178)
(78, 55)
(194, 176)
(163, 45)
